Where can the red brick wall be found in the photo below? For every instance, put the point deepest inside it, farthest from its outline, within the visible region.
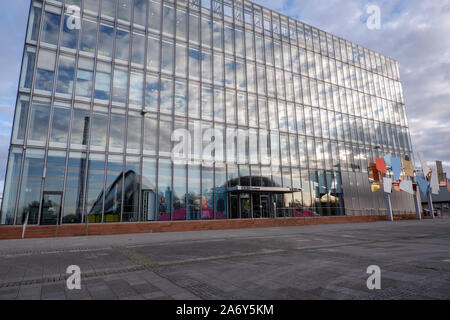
(15, 232)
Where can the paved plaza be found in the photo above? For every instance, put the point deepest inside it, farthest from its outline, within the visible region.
(298, 263)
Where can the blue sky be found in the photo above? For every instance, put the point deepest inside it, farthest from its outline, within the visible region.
(414, 32)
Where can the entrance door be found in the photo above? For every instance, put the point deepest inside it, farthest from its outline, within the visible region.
(234, 207)
(265, 206)
(245, 205)
(51, 208)
(257, 207)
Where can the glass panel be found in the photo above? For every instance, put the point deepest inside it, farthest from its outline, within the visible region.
(194, 100)
(136, 89)
(30, 190)
(106, 40)
(27, 67)
(117, 132)
(34, 22)
(194, 192)
(60, 126)
(154, 16)
(45, 70)
(80, 129)
(179, 195)
(124, 10)
(11, 184)
(220, 193)
(167, 57)
(181, 60)
(98, 131)
(194, 63)
(150, 132)
(94, 194)
(88, 36)
(153, 54)
(39, 120)
(66, 73)
(180, 98)
(168, 20)
(148, 189)
(166, 104)
(73, 201)
(109, 7)
(20, 119)
(120, 85)
(134, 135)
(140, 12)
(138, 49)
(164, 190)
(132, 190)
(113, 195)
(207, 193)
(122, 44)
(84, 78)
(50, 29)
(194, 29)
(181, 24)
(56, 166)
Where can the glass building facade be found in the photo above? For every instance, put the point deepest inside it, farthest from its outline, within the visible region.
(105, 83)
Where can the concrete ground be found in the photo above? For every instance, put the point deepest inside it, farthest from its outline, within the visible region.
(315, 262)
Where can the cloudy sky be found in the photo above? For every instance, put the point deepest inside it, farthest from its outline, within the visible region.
(414, 32)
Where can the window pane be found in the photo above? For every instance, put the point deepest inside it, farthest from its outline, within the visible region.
(140, 12)
(181, 61)
(84, 78)
(88, 36)
(134, 135)
(56, 166)
(136, 89)
(148, 189)
(218, 35)
(194, 29)
(168, 20)
(102, 86)
(120, 85)
(122, 44)
(109, 7)
(94, 194)
(154, 16)
(153, 54)
(166, 105)
(138, 49)
(151, 93)
(34, 22)
(132, 190)
(66, 73)
(117, 132)
(181, 24)
(164, 190)
(20, 122)
(45, 70)
(219, 108)
(194, 192)
(27, 68)
(124, 10)
(60, 125)
(113, 195)
(11, 184)
(179, 192)
(150, 132)
(40, 114)
(167, 57)
(194, 64)
(30, 191)
(50, 29)
(207, 103)
(98, 131)
(106, 40)
(180, 98)
(194, 100)
(80, 129)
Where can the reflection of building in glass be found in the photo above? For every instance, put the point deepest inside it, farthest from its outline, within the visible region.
(102, 91)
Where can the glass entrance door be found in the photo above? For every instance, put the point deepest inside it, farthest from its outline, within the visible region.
(265, 206)
(51, 208)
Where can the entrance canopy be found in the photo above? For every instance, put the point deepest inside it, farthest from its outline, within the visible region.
(263, 189)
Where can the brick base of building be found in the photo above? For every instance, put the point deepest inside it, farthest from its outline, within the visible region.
(15, 232)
